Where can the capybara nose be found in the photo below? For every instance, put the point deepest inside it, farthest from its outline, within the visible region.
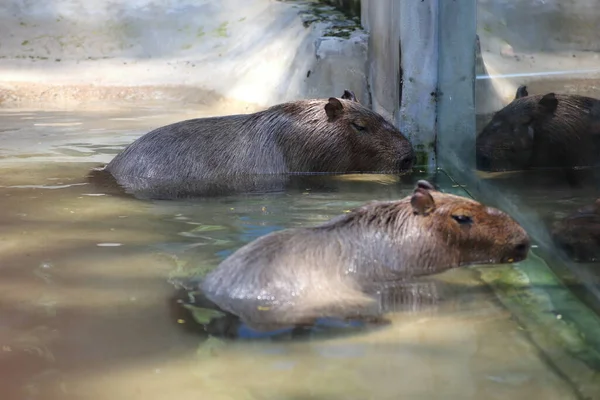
(407, 162)
(484, 163)
(521, 250)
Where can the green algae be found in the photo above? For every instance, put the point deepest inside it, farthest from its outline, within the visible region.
(563, 328)
(221, 30)
(340, 24)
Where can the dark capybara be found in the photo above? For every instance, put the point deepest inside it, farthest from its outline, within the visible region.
(293, 277)
(578, 234)
(541, 131)
(335, 135)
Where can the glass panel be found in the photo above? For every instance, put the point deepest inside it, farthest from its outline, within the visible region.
(536, 148)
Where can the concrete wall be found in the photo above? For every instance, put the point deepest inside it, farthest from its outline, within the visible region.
(404, 67)
(257, 52)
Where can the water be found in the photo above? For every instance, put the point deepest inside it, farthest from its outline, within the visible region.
(85, 282)
(539, 198)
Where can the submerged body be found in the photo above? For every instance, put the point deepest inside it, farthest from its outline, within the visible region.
(336, 135)
(541, 131)
(295, 276)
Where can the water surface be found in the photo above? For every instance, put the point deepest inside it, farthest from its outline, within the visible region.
(85, 282)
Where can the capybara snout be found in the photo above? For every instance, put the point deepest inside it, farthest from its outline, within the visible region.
(519, 251)
(407, 162)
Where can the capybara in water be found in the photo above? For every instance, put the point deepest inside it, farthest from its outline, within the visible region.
(293, 277)
(578, 234)
(335, 135)
(541, 131)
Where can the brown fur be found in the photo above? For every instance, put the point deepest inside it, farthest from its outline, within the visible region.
(578, 234)
(252, 152)
(541, 131)
(293, 276)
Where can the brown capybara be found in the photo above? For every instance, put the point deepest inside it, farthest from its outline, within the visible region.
(578, 234)
(293, 277)
(541, 131)
(335, 135)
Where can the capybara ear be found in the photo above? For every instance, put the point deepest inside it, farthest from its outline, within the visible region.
(349, 95)
(521, 92)
(423, 184)
(549, 102)
(422, 202)
(334, 108)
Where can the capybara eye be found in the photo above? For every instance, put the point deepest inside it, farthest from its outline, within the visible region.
(463, 219)
(358, 127)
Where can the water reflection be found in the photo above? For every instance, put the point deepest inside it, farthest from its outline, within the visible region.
(578, 233)
(537, 100)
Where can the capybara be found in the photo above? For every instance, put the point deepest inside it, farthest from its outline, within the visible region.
(294, 277)
(578, 234)
(335, 135)
(541, 131)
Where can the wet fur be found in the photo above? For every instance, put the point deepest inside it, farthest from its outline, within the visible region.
(246, 150)
(293, 276)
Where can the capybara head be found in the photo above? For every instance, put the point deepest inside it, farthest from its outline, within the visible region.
(578, 234)
(373, 142)
(465, 231)
(506, 143)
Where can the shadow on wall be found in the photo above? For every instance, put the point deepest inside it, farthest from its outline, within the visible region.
(257, 51)
(81, 30)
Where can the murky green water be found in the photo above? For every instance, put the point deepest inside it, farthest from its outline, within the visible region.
(84, 288)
